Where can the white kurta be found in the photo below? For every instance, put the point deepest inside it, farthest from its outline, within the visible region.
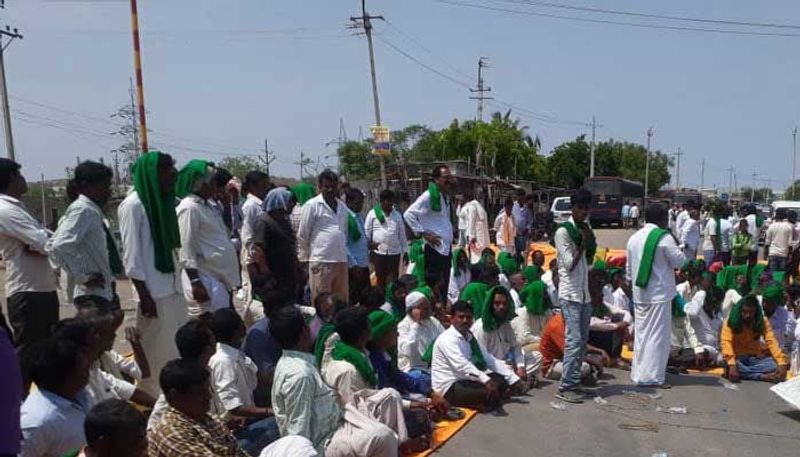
(457, 284)
(477, 229)
(505, 245)
(413, 339)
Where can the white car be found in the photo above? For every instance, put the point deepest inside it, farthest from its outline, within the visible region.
(561, 209)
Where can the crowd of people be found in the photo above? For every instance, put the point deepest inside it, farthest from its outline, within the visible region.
(357, 333)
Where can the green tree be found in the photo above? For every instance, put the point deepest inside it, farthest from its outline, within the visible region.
(357, 160)
(759, 194)
(792, 192)
(239, 166)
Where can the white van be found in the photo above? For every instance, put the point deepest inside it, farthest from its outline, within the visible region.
(561, 209)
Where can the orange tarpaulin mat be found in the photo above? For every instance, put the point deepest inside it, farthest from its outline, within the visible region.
(445, 430)
(548, 251)
(627, 354)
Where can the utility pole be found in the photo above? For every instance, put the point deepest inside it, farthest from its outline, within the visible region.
(137, 67)
(133, 155)
(702, 174)
(269, 158)
(678, 168)
(730, 181)
(44, 204)
(794, 160)
(591, 162)
(647, 166)
(753, 189)
(11, 34)
(366, 24)
(481, 90)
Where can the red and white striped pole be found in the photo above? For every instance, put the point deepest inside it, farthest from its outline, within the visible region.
(137, 64)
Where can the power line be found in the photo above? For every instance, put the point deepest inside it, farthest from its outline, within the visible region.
(628, 24)
(654, 16)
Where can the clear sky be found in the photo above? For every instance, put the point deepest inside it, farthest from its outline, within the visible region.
(220, 76)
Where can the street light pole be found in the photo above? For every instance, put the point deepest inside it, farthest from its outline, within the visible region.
(794, 159)
(647, 167)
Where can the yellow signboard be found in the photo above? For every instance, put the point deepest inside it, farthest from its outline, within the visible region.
(381, 141)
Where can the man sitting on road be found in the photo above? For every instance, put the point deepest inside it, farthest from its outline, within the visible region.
(741, 345)
(417, 331)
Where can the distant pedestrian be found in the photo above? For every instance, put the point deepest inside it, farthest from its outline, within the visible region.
(386, 235)
(357, 246)
(635, 216)
(626, 214)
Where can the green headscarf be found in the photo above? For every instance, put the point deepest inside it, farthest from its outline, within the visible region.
(489, 320)
(160, 210)
(303, 192)
(475, 293)
(189, 174)
(426, 291)
(380, 323)
(353, 231)
(678, 303)
(416, 255)
(457, 252)
(533, 297)
(398, 309)
(577, 237)
(357, 358)
(435, 197)
(532, 273)
(772, 292)
(507, 263)
(324, 333)
(735, 317)
(648, 256)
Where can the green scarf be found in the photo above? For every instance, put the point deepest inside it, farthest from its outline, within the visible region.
(577, 237)
(532, 273)
(773, 292)
(352, 228)
(532, 296)
(303, 192)
(325, 332)
(456, 255)
(507, 263)
(357, 358)
(489, 320)
(160, 210)
(475, 294)
(678, 303)
(426, 291)
(476, 356)
(435, 197)
(191, 172)
(648, 256)
(416, 255)
(735, 318)
(114, 260)
(398, 309)
(380, 323)
(759, 220)
(379, 213)
(718, 234)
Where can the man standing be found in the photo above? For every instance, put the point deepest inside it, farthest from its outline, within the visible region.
(689, 234)
(684, 214)
(256, 183)
(652, 259)
(522, 219)
(207, 254)
(386, 234)
(575, 246)
(429, 218)
(754, 224)
(357, 249)
(635, 215)
(477, 227)
(461, 214)
(322, 239)
(149, 230)
(30, 282)
(626, 214)
(82, 244)
(778, 242)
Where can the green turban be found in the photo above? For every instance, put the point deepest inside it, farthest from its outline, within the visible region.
(426, 291)
(188, 176)
(507, 263)
(735, 316)
(532, 273)
(380, 323)
(303, 192)
(773, 292)
(489, 320)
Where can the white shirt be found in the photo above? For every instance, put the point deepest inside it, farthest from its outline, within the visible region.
(25, 272)
(421, 218)
(451, 362)
(500, 230)
(321, 236)
(390, 235)
(779, 238)
(731, 297)
(528, 327)
(668, 257)
(79, 247)
(753, 230)
(477, 227)
(344, 378)
(205, 243)
(51, 424)
(413, 339)
(725, 234)
(462, 216)
(234, 376)
(681, 219)
(634, 212)
(457, 284)
(617, 303)
(252, 208)
(499, 342)
(105, 386)
(706, 328)
(138, 254)
(708, 231)
(689, 234)
(573, 285)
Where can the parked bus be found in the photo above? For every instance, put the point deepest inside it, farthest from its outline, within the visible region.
(609, 194)
(683, 196)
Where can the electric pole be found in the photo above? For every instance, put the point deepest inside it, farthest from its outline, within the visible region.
(481, 89)
(647, 166)
(11, 34)
(753, 189)
(591, 153)
(366, 24)
(137, 67)
(702, 174)
(678, 168)
(269, 158)
(794, 159)
(44, 204)
(730, 181)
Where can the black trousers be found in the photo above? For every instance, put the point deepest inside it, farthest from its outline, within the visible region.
(437, 271)
(472, 394)
(32, 316)
(610, 342)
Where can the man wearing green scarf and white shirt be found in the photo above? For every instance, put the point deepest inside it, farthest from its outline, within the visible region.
(429, 218)
(653, 256)
(148, 227)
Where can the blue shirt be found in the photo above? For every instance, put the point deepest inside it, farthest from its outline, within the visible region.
(357, 251)
(626, 211)
(390, 376)
(261, 347)
(51, 424)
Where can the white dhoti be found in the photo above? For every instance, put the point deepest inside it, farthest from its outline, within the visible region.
(385, 406)
(158, 337)
(290, 446)
(362, 436)
(533, 362)
(217, 292)
(652, 342)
